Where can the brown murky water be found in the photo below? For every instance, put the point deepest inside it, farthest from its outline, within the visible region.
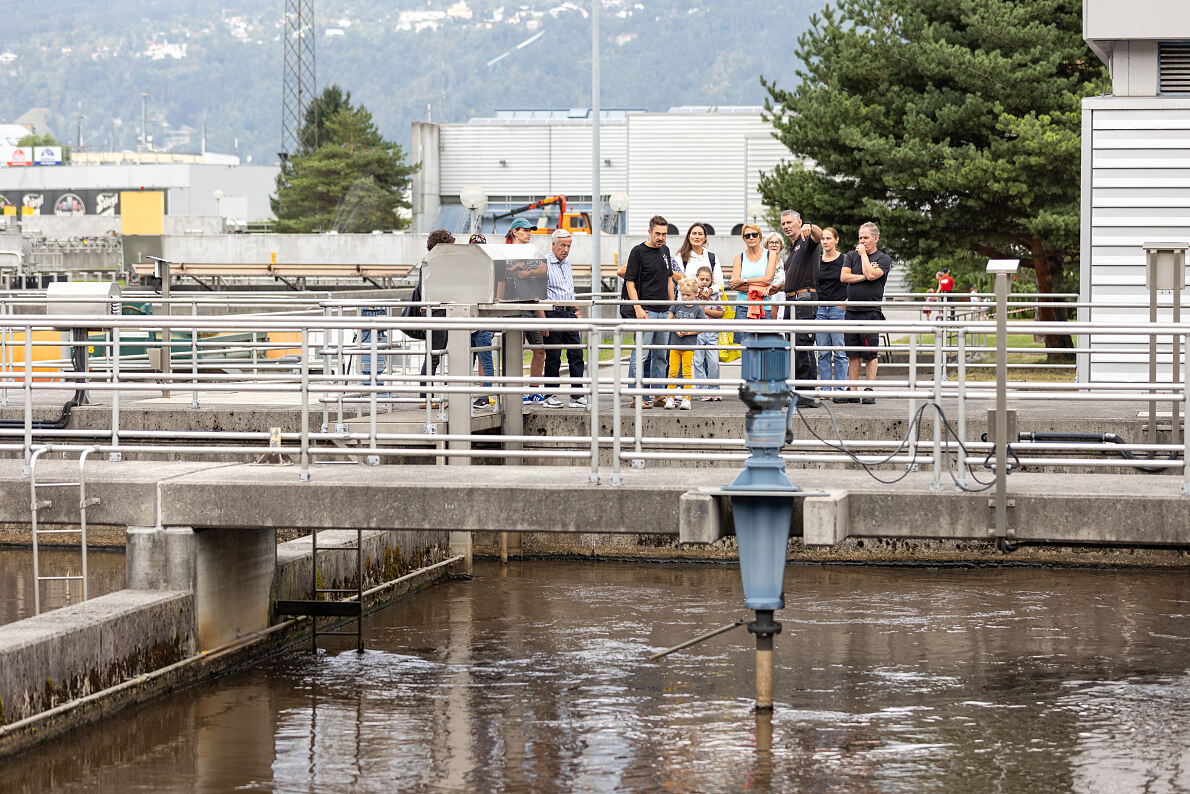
(533, 678)
(105, 574)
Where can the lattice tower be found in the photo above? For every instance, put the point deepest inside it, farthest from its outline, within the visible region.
(299, 85)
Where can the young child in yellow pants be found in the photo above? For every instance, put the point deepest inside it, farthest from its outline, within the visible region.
(681, 358)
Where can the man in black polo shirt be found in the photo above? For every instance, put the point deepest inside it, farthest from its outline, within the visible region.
(801, 288)
(864, 271)
(649, 276)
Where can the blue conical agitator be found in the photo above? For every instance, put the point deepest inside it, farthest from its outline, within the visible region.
(761, 500)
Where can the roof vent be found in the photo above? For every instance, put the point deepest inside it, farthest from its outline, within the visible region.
(1173, 59)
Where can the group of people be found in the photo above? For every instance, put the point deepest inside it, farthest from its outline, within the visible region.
(801, 271)
(815, 280)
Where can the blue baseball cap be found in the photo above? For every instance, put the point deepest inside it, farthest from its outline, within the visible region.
(521, 223)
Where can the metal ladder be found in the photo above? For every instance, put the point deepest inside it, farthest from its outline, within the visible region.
(316, 608)
(36, 505)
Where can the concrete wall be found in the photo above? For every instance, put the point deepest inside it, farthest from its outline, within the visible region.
(83, 648)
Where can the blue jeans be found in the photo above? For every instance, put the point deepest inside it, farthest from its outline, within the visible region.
(656, 361)
(832, 364)
(483, 339)
(706, 362)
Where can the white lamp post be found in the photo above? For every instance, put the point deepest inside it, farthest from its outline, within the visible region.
(1002, 268)
(475, 200)
(218, 194)
(755, 209)
(618, 202)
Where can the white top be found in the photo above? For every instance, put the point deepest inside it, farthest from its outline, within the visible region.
(702, 260)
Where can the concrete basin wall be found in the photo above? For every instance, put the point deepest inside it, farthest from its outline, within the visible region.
(71, 652)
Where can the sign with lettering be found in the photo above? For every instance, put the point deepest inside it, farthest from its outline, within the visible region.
(20, 155)
(48, 155)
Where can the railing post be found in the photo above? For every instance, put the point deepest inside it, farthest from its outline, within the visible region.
(638, 400)
(1186, 413)
(28, 389)
(115, 454)
(373, 383)
(912, 466)
(936, 479)
(961, 484)
(194, 354)
(593, 398)
(304, 471)
(617, 386)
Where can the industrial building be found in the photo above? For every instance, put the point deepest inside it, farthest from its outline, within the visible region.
(688, 164)
(1135, 171)
(209, 185)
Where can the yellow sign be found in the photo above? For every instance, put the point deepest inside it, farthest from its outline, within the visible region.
(142, 212)
(10, 210)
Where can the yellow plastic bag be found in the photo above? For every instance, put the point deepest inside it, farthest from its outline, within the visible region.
(727, 338)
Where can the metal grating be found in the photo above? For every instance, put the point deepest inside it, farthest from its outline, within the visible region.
(1173, 63)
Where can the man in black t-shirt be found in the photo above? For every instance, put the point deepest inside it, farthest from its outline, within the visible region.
(801, 289)
(865, 272)
(649, 276)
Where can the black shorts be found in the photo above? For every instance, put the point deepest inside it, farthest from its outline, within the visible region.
(869, 340)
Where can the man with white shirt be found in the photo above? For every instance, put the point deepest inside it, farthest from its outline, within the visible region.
(559, 290)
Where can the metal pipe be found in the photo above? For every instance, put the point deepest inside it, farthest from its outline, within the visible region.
(593, 400)
(700, 638)
(304, 473)
(1001, 500)
(961, 482)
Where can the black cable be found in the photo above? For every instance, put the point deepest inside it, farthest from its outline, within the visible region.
(914, 424)
(78, 360)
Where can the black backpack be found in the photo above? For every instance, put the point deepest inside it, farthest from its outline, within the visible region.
(415, 311)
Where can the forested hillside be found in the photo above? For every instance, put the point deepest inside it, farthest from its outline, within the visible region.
(87, 64)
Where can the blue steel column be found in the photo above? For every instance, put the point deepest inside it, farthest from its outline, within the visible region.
(762, 517)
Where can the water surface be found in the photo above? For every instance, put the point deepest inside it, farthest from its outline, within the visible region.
(533, 678)
(105, 574)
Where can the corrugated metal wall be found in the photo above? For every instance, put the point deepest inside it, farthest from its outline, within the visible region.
(1136, 189)
(686, 166)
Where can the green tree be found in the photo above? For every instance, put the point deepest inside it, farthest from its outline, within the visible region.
(321, 108)
(354, 181)
(954, 124)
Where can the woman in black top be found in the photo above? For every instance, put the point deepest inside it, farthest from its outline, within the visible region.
(832, 364)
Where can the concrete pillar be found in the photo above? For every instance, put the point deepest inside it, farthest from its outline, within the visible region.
(426, 198)
(229, 570)
(460, 543)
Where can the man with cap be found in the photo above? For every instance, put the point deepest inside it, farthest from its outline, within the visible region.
(520, 232)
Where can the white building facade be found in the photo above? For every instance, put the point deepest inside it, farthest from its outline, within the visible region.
(1135, 170)
(688, 164)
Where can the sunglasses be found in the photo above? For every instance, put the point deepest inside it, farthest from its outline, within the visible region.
(751, 235)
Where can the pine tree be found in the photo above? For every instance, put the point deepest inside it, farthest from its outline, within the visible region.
(354, 181)
(954, 124)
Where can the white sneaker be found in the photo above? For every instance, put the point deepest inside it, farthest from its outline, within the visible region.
(670, 402)
(685, 406)
(578, 402)
(553, 402)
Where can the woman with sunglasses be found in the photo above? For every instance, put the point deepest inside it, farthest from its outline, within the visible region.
(752, 272)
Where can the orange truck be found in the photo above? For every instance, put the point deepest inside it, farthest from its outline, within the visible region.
(573, 222)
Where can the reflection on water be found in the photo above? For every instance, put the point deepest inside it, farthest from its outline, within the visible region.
(532, 678)
(105, 574)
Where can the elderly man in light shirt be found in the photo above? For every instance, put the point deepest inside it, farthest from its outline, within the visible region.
(559, 290)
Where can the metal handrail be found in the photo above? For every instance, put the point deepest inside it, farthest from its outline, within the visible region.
(320, 378)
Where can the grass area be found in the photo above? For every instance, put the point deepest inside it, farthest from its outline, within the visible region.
(1041, 373)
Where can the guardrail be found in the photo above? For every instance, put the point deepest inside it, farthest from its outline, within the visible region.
(319, 355)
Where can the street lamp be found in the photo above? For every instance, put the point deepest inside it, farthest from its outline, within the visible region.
(618, 202)
(475, 200)
(218, 194)
(755, 209)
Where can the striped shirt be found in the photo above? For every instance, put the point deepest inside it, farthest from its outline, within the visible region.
(559, 281)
